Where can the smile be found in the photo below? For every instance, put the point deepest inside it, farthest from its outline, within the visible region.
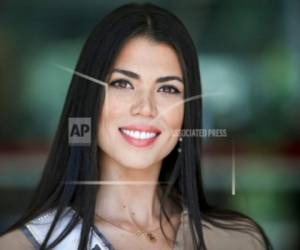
(138, 134)
(139, 138)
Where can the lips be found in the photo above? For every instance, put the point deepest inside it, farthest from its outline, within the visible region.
(139, 135)
(145, 128)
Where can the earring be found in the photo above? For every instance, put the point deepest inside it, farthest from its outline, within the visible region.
(179, 148)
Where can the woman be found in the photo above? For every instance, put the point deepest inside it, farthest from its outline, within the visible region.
(149, 193)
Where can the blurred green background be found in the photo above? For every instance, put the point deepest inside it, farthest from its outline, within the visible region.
(248, 50)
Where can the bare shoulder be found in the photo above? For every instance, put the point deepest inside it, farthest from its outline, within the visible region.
(15, 240)
(240, 234)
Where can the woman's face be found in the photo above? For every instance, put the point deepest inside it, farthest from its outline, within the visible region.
(139, 119)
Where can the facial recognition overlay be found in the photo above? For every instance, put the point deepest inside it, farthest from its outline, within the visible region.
(79, 131)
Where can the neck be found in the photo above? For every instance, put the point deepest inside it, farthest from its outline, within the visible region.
(130, 201)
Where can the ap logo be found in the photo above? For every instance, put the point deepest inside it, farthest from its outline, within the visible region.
(79, 131)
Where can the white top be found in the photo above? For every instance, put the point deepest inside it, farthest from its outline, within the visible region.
(36, 231)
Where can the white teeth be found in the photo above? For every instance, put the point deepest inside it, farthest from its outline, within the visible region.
(138, 134)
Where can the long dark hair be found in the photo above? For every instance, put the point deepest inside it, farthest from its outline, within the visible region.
(181, 171)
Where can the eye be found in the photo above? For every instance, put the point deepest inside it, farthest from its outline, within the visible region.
(169, 89)
(121, 84)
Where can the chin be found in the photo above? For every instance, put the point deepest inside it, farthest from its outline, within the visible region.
(137, 164)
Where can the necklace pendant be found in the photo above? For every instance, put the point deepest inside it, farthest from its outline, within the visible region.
(138, 233)
(151, 237)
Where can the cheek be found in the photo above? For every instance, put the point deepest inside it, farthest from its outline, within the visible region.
(114, 105)
(175, 119)
(113, 109)
(172, 110)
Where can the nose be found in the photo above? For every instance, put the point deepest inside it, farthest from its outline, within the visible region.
(144, 104)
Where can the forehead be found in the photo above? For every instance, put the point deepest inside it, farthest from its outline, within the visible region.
(144, 55)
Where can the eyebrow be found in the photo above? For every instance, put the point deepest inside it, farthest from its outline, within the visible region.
(136, 76)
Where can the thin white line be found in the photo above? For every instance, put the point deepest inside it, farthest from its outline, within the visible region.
(233, 170)
(92, 79)
(191, 98)
(114, 182)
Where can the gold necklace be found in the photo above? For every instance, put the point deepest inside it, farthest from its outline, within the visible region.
(148, 234)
